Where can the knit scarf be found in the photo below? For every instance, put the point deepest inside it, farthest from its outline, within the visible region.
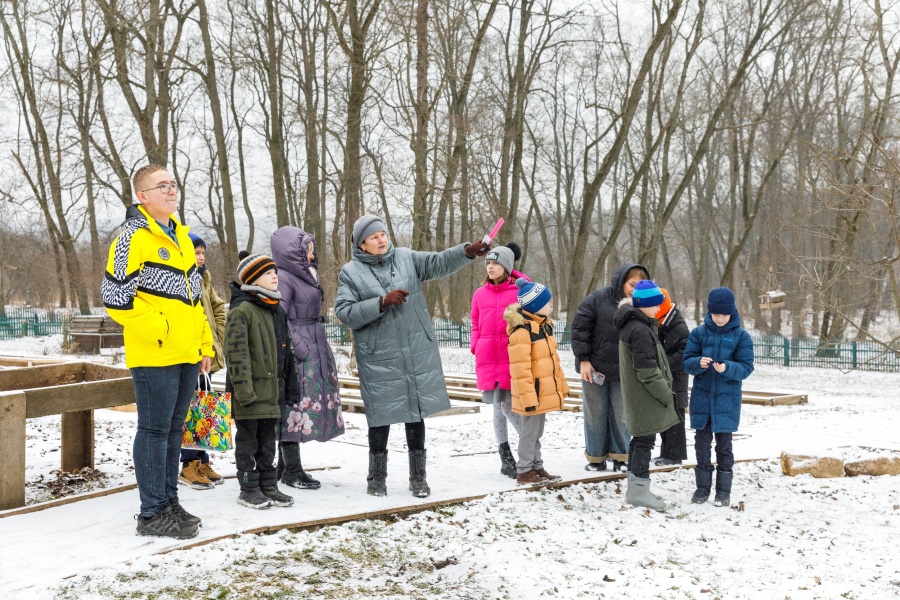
(270, 297)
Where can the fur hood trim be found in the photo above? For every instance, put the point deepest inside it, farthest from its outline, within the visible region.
(624, 301)
(512, 315)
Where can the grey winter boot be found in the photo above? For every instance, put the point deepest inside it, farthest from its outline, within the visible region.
(377, 474)
(507, 461)
(723, 488)
(293, 474)
(251, 496)
(268, 485)
(704, 484)
(417, 484)
(639, 494)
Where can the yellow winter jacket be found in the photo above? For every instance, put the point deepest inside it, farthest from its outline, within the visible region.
(152, 287)
(538, 382)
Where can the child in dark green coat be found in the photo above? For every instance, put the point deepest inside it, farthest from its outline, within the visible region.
(646, 387)
(261, 372)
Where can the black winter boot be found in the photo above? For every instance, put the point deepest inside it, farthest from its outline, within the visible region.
(268, 485)
(507, 461)
(417, 484)
(723, 488)
(292, 474)
(704, 483)
(377, 474)
(251, 496)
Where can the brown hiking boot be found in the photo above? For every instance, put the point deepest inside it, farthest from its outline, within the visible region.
(207, 471)
(193, 477)
(530, 478)
(543, 473)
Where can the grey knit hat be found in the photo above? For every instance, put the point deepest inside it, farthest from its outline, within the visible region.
(365, 226)
(505, 255)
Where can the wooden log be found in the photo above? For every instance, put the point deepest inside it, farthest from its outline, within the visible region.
(77, 440)
(873, 466)
(12, 449)
(821, 467)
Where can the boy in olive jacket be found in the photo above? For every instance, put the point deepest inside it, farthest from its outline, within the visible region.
(261, 372)
(646, 386)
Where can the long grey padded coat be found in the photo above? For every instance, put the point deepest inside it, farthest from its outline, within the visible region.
(400, 374)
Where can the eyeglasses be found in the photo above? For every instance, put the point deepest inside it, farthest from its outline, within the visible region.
(165, 188)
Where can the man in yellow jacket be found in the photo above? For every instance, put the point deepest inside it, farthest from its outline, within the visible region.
(152, 287)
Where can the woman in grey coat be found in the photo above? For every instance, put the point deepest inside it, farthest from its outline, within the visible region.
(318, 414)
(401, 380)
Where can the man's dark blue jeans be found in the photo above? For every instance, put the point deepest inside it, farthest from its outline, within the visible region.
(163, 395)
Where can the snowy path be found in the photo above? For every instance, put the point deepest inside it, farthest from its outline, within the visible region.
(801, 537)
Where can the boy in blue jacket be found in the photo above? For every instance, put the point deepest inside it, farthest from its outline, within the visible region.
(719, 354)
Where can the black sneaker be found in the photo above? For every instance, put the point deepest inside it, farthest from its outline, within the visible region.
(183, 515)
(661, 461)
(277, 498)
(595, 466)
(620, 466)
(301, 480)
(254, 499)
(165, 523)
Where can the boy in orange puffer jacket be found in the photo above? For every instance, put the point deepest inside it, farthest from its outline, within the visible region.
(537, 379)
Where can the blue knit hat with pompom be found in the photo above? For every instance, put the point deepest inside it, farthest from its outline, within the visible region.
(533, 296)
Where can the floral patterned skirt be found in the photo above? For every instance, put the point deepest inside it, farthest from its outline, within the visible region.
(318, 415)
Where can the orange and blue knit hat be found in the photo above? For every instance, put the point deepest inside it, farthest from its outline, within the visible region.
(646, 294)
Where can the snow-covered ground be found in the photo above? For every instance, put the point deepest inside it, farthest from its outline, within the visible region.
(785, 537)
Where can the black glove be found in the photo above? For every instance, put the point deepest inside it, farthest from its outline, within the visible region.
(477, 248)
(392, 298)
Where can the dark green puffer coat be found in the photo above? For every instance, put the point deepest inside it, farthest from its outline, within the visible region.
(644, 373)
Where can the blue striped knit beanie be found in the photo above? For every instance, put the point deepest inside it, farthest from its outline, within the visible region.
(647, 294)
(533, 296)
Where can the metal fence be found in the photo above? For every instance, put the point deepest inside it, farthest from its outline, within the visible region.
(768, 349)
(25, 322)
(811, 352)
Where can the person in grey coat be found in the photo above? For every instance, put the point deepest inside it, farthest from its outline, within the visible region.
(401, 380)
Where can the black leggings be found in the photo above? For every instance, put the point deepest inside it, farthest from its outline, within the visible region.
(415, 437)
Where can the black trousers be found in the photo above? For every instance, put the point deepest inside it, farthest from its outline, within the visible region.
(254, 445)
(639, 451)
(674, 440)
(703, 447)
(415, 437)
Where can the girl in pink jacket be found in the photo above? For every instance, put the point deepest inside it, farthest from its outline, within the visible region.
(490, 344)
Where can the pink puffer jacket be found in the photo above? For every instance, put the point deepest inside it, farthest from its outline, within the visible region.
(489, 342)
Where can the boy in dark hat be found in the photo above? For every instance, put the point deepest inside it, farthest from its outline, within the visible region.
(196, 468)
(261, 372)
(719, 354)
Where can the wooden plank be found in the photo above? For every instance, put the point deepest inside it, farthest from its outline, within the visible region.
(77, 440)
(79, 396)
(30, 361)
(43, 376)
(12, 449)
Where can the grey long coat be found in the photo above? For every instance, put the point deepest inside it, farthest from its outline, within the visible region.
(400, 372)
